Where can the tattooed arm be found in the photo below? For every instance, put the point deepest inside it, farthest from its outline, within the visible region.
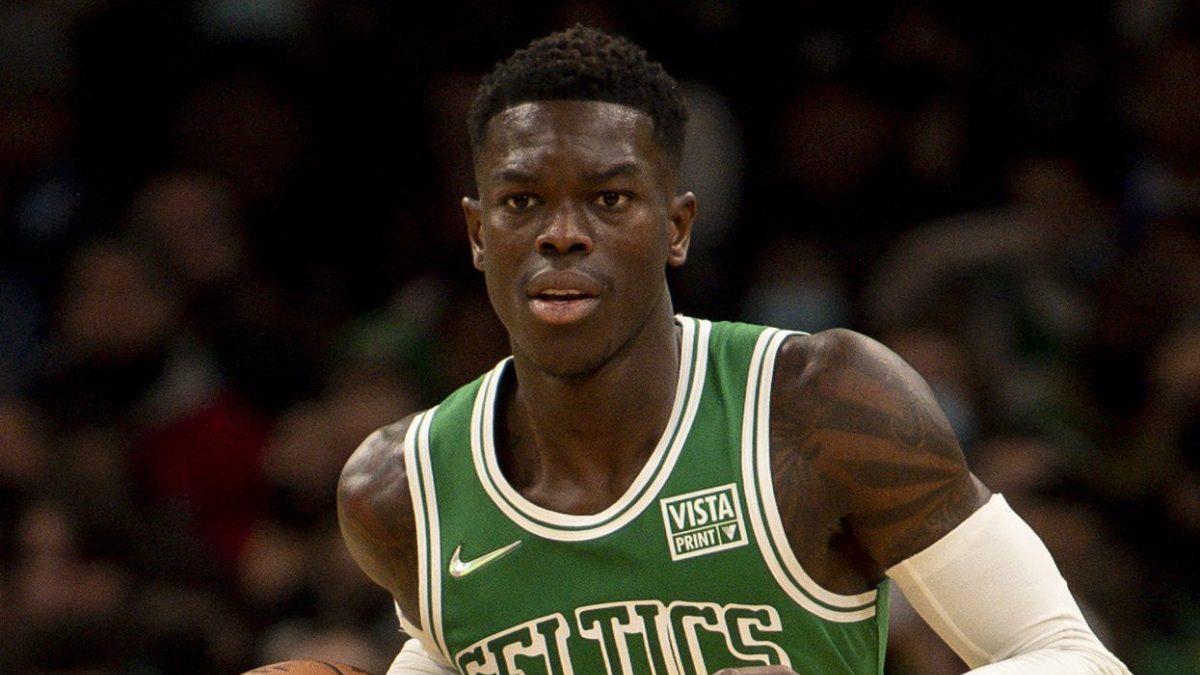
(870, 480)
(858, 438)
(379, 527)
(376, 514)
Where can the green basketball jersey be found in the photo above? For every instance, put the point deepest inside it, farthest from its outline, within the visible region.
(688, 572)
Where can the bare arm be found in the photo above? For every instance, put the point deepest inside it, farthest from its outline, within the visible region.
(376, 515)
(894, 492)
(859, 440)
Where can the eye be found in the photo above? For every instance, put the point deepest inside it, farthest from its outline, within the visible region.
(611, 199)
(520, 202)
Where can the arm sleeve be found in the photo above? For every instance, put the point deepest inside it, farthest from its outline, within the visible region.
(414, 660)
(419, 655)
(991, 590)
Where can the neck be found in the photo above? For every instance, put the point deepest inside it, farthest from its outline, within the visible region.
(590, 435)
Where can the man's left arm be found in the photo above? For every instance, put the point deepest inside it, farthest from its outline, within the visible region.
(970, 566)
(991, 590)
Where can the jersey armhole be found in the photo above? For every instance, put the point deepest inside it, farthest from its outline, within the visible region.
(758, 483)
(429, 547)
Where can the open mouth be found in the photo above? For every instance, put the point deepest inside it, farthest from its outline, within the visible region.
(557, 295)
(561, 306)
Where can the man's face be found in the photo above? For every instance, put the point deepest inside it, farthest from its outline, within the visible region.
(575, 224)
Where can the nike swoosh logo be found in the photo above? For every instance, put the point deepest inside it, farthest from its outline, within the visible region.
(460, 568)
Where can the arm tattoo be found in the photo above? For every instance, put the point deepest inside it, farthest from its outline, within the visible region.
(873, 430)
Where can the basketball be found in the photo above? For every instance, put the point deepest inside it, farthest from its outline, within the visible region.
(308, 668)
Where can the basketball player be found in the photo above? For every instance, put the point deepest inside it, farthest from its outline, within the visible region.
(639, 492)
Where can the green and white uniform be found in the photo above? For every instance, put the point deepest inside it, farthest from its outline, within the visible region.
(688, 572)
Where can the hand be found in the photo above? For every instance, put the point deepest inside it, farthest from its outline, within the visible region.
(757, 670)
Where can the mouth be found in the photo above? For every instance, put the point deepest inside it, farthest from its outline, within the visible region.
(562, 305)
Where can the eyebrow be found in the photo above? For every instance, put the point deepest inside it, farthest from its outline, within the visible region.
(512, 176)
(626, 168)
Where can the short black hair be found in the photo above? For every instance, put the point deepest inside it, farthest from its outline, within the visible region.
(584, 64)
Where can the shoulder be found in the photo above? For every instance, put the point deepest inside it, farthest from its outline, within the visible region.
(835, 354)
(376, 468)
(375, 510)
(868, 425)
(840, 377)
(829, 375)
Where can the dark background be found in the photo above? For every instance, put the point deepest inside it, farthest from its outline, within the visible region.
(231, 246)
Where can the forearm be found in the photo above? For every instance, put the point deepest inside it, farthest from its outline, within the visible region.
(1056, 662)
(991, 590)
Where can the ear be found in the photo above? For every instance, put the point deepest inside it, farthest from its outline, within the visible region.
(473, 214)
(683, 214)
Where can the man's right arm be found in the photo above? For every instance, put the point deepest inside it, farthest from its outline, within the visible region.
(378, 525)
(376, 514)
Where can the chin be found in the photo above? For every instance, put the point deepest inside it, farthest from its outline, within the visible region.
(565, 352)
(578, 349)
(568, 364)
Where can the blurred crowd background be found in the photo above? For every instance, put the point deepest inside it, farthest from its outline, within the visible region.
(231, 246)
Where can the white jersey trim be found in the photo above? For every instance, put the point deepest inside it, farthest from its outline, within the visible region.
(429, 548)
(693, 364)
(760, 497)
(419, 654)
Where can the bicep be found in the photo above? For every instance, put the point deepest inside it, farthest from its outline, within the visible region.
(887, 450)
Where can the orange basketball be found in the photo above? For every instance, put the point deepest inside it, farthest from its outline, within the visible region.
(308, 668)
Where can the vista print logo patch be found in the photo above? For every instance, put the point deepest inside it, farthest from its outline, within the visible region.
(703, 522)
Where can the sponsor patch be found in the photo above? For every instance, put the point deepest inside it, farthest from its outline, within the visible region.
(703, 522)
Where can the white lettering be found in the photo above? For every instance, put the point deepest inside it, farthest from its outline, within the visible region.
(740, 620)
(543, 639)
(694, 522)
(724, 507)
(641, 636)
(696, 540)
(678, 514)
(709, 502)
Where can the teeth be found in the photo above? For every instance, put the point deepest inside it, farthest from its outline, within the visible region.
(561, 294)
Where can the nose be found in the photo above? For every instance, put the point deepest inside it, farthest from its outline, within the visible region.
(564, 233)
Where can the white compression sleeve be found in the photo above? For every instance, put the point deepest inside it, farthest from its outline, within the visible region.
(991, 590)
(419, 655)
(414, 660)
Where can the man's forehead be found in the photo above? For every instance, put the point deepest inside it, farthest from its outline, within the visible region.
(603, 123)
(595, 113)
